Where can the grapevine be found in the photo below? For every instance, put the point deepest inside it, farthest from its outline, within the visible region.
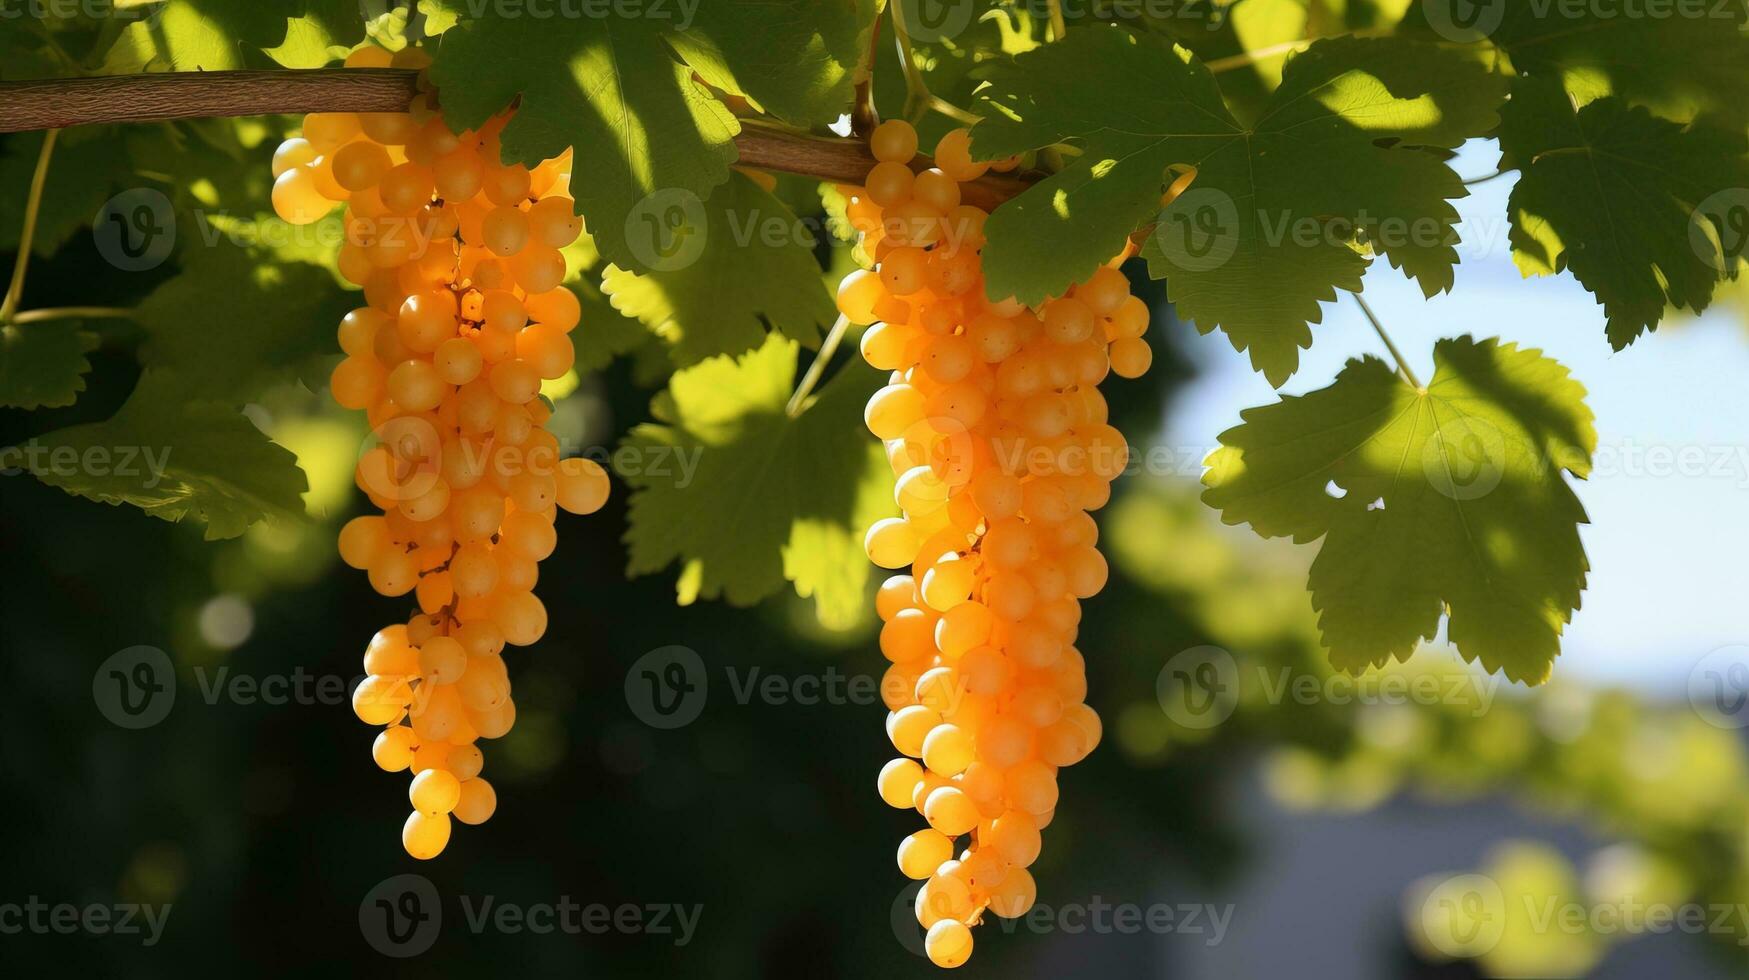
(458, 256)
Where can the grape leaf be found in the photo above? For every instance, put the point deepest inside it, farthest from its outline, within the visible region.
(646, 135)
(772, 498)
(27, 55)
(43, 365)
(85, 169)
(1449, 499)
(1681, 65)
(174, 457)
(603, 333)
(215, 35)
(754, 266)
(825, 558)
(1266, 24)
(232, 323)
(792, 58)
(837, 209)
(440, 15)
(1610, 192)
(1235, 31)
(1269, 228)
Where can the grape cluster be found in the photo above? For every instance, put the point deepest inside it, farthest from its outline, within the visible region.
(998, 438)
(459, 258)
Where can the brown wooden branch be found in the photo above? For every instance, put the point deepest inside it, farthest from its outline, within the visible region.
(59, 103)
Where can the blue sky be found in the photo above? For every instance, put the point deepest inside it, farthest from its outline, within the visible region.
(1667, 545)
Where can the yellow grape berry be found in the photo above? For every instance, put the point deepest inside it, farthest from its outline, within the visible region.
(425, 835)
(948, 943)
(435, 791)
(921, 853)
(477, 802)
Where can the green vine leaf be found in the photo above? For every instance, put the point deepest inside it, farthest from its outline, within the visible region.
(87, 166)
(1449, 499)
(825, 557)
(43, 365)
(275, 324)
(217, 35)
(753, 268)
(1280, 211)
(1621, 198)
(795, 59)
(744, 496)
(440, 15)
(1680, 65)
(27, 55)
(174, 457)
(603, 333)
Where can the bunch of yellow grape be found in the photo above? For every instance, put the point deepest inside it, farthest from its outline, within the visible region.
(998, 438)
(459, 258)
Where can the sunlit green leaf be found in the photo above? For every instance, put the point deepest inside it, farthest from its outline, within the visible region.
(768, 497)
(174, 457)
(1450, 499)
(753, 270)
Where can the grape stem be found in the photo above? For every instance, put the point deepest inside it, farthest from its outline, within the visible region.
(32, 205)
(916, 90)
(74, 313)
(828, 347)
(1403, 367)
(1058, 29)
(919, 101)
(863, 117)
(1496, 175)
(1246, 59)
